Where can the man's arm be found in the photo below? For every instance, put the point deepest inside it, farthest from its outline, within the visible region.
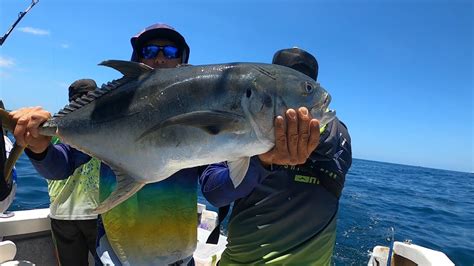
(58, 161)
(218, 188)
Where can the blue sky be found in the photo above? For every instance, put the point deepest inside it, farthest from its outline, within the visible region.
(400, 72)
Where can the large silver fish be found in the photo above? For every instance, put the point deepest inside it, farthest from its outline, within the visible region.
(152, 123)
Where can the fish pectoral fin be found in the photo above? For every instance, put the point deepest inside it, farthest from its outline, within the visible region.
(127, 68)
(238, 169)
(211, 121)
(126, 187)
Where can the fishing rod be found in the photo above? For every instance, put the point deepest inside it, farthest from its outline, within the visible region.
(20, 16)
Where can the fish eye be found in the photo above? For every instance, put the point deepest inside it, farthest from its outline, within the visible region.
(309, 88)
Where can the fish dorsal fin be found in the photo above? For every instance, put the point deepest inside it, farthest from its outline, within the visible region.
(128, 68)
(91, 96)
(125, 188)
(212, 121)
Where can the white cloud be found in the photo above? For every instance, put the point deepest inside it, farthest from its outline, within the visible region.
(33, 31)
(64, 45)
(6, 62)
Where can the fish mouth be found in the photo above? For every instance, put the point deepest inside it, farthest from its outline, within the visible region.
(327, 101)
(321, 110)
(321, 106)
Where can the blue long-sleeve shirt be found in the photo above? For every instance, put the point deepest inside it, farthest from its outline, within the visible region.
(58, 161)
(218, 188)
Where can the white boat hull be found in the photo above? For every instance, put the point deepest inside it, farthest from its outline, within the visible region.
(408, 254)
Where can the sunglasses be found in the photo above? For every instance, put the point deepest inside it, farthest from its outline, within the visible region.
(169, 51)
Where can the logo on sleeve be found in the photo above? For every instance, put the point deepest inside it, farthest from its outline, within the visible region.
(307, 179)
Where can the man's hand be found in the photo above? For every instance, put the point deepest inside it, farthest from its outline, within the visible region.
(26, 132)
(295, 143)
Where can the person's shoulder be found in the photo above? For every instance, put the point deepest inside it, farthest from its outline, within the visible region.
(338, 128)
(335, 131)
(337, 122)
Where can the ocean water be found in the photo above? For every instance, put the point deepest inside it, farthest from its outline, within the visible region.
(433, 208)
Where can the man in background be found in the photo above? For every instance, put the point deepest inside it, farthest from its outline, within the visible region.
(72, 201)
(285, 210)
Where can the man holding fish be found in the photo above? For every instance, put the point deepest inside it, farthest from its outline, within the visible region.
(226, 113)
(284, 211)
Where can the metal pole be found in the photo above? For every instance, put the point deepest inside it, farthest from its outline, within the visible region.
(20, 16)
